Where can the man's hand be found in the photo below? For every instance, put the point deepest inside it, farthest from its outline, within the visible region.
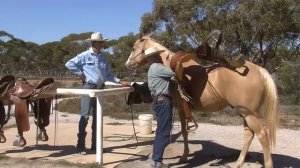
(125, 83)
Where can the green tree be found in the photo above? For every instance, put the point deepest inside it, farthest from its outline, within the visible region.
(289, 82)
(118, 52)
(259, 29)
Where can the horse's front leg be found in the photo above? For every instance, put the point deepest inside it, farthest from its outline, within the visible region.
(184, 132)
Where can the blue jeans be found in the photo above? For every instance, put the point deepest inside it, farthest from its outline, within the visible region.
(88, 105)
(163, 111)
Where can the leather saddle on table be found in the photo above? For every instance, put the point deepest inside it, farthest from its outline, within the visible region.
(22, 94)
(6, 83)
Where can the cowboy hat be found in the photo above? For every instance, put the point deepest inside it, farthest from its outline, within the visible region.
(97, 36)
(152, 51)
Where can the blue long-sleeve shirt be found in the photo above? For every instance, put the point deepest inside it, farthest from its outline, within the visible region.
(95, 68)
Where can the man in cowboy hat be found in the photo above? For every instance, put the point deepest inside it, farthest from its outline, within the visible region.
(159, 84)
(94, 70)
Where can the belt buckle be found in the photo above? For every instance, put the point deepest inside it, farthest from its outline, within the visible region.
(160, 97)
(100, 86)
(93, 85)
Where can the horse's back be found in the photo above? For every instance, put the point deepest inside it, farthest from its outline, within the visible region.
(239, 87)
(223, 86)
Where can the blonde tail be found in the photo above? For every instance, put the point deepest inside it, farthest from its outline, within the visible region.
(270, 105)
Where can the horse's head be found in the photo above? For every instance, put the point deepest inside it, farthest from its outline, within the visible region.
(137, 56)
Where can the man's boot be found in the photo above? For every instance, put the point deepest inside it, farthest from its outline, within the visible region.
(81, 142)
(93, 145)
(81, 135)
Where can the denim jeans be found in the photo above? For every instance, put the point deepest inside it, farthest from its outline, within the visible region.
(88, 105)
(163, 111)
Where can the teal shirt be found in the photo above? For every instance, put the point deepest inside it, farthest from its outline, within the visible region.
(159, 79)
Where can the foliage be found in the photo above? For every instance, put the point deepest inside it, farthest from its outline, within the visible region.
(17, 56)
(119, 50)
(266, 32)
(258, 29)
(289, 83)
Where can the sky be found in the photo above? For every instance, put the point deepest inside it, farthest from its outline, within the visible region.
(42, 21)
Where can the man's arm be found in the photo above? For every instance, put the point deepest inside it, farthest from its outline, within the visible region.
(164, 71)
(74, 66)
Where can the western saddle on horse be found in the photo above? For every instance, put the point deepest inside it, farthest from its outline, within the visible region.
(209, 50)
(21, 93)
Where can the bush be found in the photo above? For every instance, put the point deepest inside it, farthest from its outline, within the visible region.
(289, 83)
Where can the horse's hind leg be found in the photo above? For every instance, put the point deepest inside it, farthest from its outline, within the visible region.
(248, 137)
(257, 127)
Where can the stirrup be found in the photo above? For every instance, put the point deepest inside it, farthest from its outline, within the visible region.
(193, 127)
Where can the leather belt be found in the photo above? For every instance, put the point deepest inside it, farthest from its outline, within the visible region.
(95, 86)
(162, 97)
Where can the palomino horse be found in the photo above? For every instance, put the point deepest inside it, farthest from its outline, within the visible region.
(221, 87)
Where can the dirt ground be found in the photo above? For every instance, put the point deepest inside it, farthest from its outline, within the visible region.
(210, 146)
(219, 146)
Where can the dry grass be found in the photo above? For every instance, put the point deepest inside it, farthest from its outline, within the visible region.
(115, 107)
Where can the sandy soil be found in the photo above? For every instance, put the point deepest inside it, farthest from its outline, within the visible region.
(210, 146)
(219, 146)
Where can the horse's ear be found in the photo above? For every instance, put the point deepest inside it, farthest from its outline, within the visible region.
(148, 35)
(140, 36)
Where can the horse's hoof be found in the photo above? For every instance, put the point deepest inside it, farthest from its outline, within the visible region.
(2, 137)
(42, 136)
(19, 141)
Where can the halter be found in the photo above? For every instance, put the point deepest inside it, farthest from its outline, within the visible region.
(142, 51)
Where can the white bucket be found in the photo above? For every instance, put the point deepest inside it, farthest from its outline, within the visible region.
(145, 123)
